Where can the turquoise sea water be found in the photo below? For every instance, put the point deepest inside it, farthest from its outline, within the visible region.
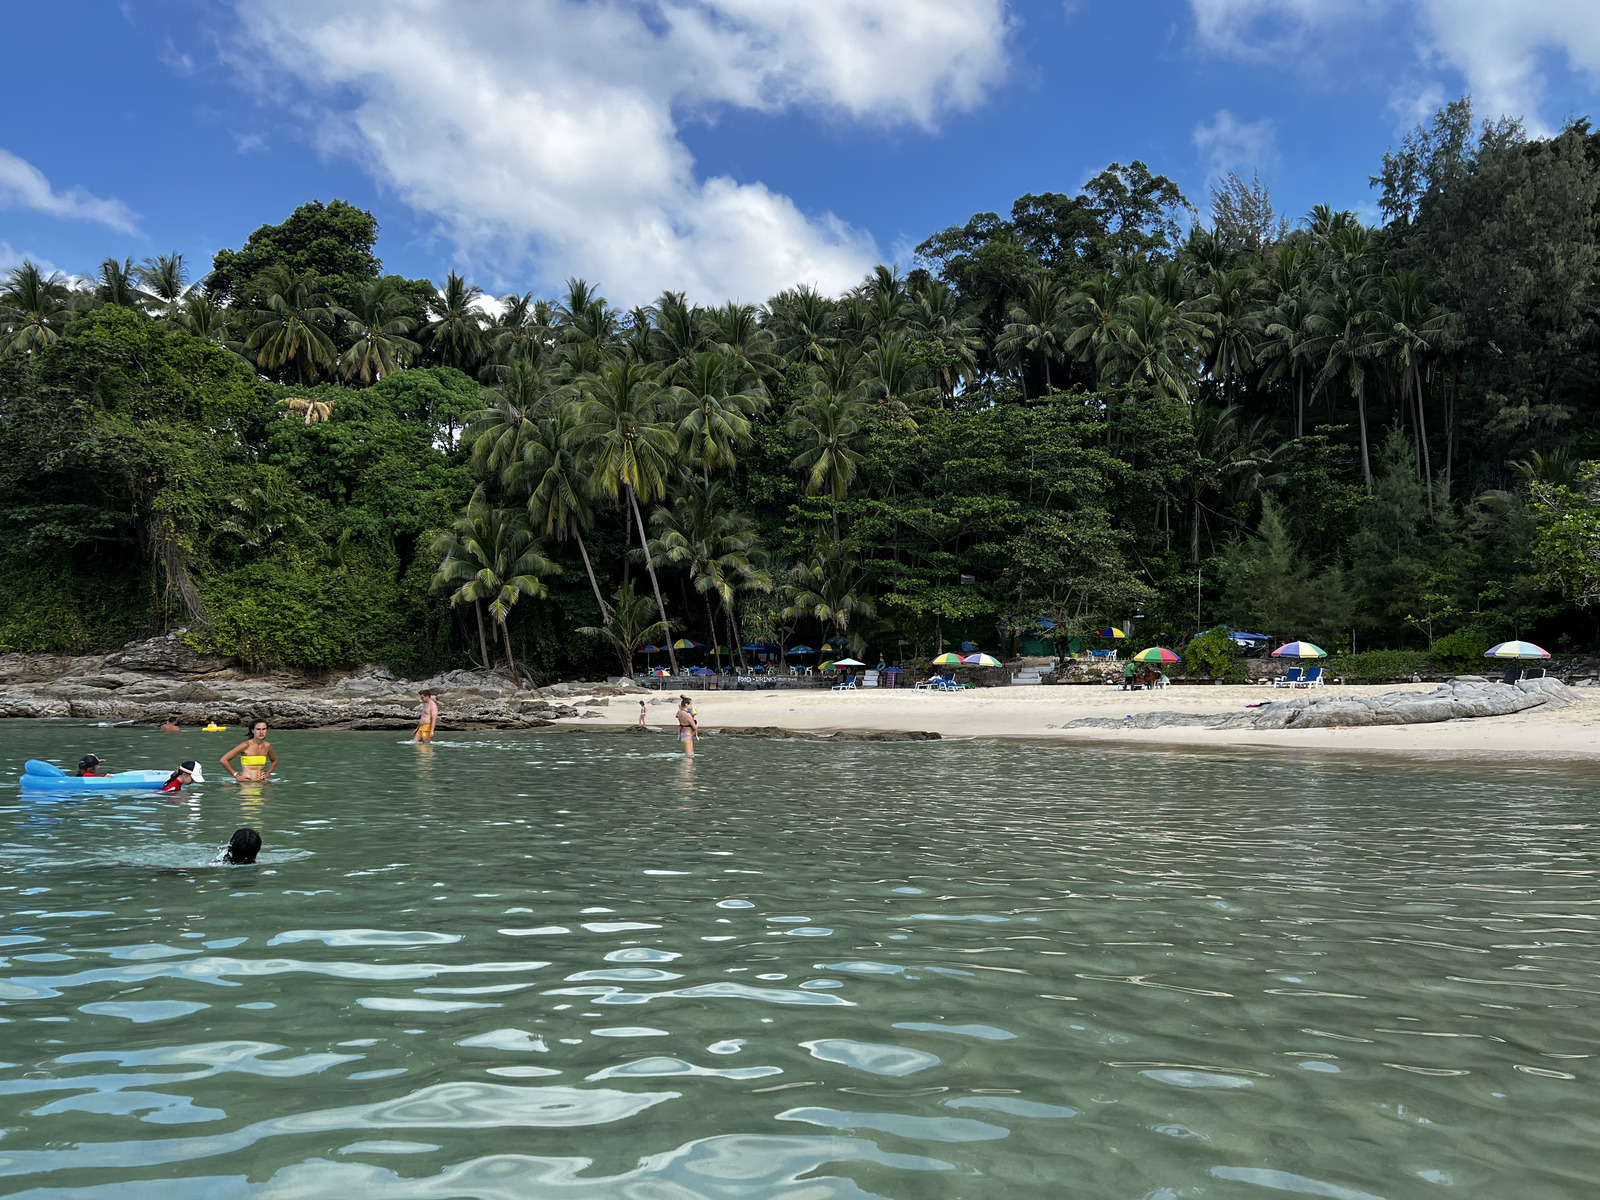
(571, 964)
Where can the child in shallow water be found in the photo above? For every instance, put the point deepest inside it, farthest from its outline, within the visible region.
(241, 848)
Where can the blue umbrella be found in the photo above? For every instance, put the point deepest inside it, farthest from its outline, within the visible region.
(800, 650)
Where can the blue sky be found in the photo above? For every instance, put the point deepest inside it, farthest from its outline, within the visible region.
(726, 147)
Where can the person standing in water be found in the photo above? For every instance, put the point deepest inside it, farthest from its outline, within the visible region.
(642, 714)
(258, 759)
(429, 718)
(688, 727)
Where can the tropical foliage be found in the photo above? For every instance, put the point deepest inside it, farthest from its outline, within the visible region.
(1101, 406)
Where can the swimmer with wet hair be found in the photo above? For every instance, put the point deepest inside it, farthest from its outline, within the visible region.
(242, 848)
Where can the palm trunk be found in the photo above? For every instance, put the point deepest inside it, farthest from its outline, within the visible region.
(1194, 530)
(1422, 433)
(511, 662)
(835, 522)
(588, 567)
(1361, 411)
(1300, 407)
(661, 608)
(627, 540)
(483, 642)
(711, 624)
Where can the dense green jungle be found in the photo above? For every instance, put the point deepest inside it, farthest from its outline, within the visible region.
(1100, 407)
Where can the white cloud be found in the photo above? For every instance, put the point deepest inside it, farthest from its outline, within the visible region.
(1229, 144)
(22, 185)
(1495, 44)
(552, 127)
(1263, 29)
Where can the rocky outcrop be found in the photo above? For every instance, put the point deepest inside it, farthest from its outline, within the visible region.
(1460, 699)
(160, 679)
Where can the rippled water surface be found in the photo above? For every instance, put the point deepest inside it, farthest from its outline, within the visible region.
(572, 964)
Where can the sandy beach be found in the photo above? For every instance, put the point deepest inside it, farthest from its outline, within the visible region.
(1032, 712)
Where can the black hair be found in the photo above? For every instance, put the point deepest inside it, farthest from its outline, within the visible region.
(243, 846)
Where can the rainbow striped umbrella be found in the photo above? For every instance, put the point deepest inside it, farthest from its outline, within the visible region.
(1517, 650)
(980, 660)
(1300, 650)
(949, 660)
(1157, 654)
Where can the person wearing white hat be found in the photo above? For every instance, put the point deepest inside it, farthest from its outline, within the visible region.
(188, 772)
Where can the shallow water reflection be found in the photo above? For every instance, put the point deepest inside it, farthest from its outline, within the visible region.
(573, 964)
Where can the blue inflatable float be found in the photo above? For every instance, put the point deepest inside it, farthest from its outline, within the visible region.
(40, 776)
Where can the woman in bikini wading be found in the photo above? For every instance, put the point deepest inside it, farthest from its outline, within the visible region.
(688, 727)
(259, 759)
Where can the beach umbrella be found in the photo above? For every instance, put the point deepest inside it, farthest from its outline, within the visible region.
(800, 650)
(968, 647)
(1111, 631)
(688, 644)
(1299, 650)
(826, 666)
(981, 660)
(849, 662)
(1517, 650)
(948, 660)
(1157, 654)
(828, 647)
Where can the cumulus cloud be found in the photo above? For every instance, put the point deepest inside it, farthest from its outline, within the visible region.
(1495, 44)
(1229, 144)
(551, 127)
(23, 185)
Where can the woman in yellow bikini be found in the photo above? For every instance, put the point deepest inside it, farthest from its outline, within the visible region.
(259, 759)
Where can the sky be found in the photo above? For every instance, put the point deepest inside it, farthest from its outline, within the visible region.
(725, 148)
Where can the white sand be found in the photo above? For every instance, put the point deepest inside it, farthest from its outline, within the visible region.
(1028, 712)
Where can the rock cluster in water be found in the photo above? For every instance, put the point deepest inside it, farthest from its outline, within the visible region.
(159, 679)
(1454, 701)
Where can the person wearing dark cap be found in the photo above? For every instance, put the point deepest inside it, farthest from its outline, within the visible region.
(87, 766)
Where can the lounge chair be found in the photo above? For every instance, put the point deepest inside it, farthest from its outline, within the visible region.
(1533, 673)
(1313, 678)
(1294, 678)
(849, 685)
(1514, 674)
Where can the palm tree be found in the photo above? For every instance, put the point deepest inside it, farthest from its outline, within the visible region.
(455, 334)
(1153, 342)
(632, 451)
(936, 316)
(1233, 324)
(1040, 324)
(830, 422)
(629, 627)
(892, 370)
(829, 588)
(1345, 326)
(678, 334)
(294, 327)
(548, 471)
(584, 319)
(163, 282)
(1286, 347)
(737, 331)
(1229, 457)
(703, 534)
(491, 554)
(802, 324)
(378, 322)
(522, 331)
(264, 514)
(1416, 328)
(116, 285)
(1094, 319)
(33, 309)
(716, 416)
(495, 433)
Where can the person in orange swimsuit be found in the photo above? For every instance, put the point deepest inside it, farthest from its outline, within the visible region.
(429, 719)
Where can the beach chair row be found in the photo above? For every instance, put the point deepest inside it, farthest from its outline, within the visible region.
(1301, 677)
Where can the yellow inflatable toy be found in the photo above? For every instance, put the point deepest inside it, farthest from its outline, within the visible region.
(213, 727)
